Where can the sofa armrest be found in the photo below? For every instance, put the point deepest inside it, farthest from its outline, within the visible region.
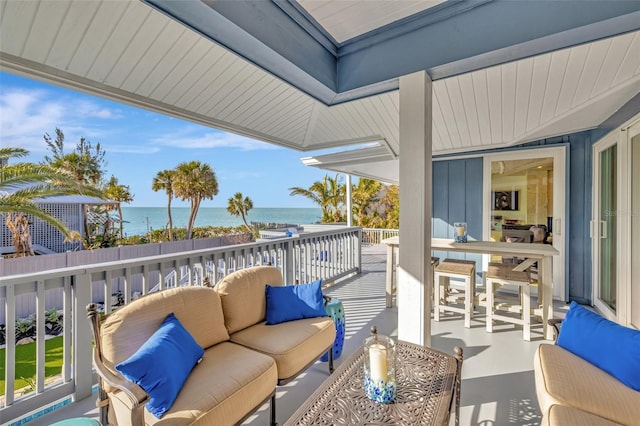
(136, 397)
(555, 323)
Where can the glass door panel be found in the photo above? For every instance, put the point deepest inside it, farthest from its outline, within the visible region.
(608, 226)
(635, 229)
(524, 202)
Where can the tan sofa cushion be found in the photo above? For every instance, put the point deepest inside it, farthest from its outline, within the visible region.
(563, 378)
(198, 309)
(559, 415)
(242, 293)
(292, 344)
(229, 382)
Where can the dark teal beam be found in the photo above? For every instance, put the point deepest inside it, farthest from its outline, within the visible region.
(493, 33)
(452, 38)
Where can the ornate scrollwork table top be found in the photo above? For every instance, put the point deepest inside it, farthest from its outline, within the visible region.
(425, 391)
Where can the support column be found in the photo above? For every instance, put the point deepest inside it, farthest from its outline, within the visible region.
(415, 281)
(349, 202)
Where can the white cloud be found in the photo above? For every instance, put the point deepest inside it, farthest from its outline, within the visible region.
(187, 138)
(26, 114)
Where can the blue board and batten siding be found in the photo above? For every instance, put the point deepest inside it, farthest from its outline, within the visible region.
(457, 197)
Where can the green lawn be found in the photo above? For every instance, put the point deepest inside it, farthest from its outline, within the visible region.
(26, 362)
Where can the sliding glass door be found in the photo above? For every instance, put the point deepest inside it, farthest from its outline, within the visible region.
(606, 232)
(525, 202)
(615, 228)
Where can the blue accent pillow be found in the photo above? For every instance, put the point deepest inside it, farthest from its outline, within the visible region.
(162, 364)
(293, 302)
(605, 344)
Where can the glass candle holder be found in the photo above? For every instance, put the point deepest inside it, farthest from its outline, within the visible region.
(379, 368)
(460, 235)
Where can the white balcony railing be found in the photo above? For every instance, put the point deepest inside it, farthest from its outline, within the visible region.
(330, 255)
(372, 236)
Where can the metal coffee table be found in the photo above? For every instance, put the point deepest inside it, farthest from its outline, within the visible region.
(428, 389)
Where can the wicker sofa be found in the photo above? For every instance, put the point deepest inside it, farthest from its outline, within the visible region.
(243, 359)
(573, 391)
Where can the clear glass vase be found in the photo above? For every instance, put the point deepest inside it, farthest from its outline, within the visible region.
(379, 368)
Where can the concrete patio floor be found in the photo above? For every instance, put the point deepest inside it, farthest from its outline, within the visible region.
(497, 386)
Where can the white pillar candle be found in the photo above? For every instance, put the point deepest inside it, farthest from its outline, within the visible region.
(378, 361)
(460, 231)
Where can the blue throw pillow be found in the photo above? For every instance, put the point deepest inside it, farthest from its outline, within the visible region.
(162, 364)
(605, 344)
(293, 302)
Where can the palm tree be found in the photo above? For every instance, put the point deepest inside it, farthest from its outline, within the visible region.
(363, 195)
(194, 181)
(338, 193)
(21, 184)
(164, 180)
(86, 162)
(239, 206)
(120, 193)
(327, 194)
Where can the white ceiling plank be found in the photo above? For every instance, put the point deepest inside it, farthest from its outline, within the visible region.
(125, 30)
(494, 89)
(49, 17)
(469, 102)
(479, 80)
(16, 22)
(386, 122)
(592, 68)
(177, 74)
(524, 79)
(337, 118)
(320, 130)
(102, 27)
(613, 60)
(257, 101)
(140, 44)
(72, 30)
(541, 66)
(557, 70)
(446, 112)
(152, 57)
(222, 66)
(439, 131)
(223, 86)
(347, 19)
(459, 115)
(232, 110)
(509, 79)
(275, 104)
(571, 77)
(240, 83)
(296, 107)
(170, 60)
(631, 63)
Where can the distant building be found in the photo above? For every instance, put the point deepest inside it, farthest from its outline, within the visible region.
(46, 238)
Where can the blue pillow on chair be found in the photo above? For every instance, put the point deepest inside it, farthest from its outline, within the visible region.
(293, 302)
(162, 364)
(605, 344)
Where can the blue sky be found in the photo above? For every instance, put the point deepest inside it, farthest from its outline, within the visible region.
(139, 143)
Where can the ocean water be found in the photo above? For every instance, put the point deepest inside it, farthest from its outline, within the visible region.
(140, 220)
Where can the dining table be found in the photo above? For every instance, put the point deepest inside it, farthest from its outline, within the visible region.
(542, 254)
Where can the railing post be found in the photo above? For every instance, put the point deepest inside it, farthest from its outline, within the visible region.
(288, 267)
(82, 337)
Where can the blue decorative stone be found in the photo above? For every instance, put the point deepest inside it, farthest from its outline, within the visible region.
(336, 311)
(380, 391)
